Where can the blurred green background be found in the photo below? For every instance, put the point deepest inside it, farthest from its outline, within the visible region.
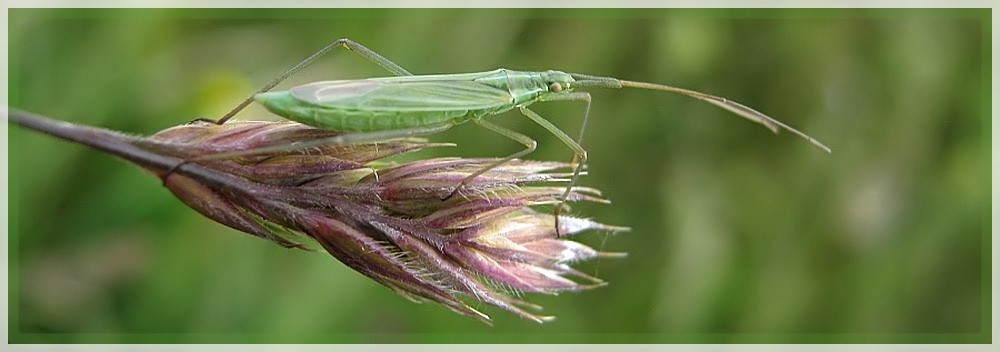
(738, 235)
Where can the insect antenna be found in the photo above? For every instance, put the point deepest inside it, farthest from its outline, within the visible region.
(732, 106)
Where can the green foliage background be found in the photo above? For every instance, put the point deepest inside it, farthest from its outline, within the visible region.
(738, 235)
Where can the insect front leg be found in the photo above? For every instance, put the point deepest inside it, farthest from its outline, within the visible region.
(580, 154)
(575, 96)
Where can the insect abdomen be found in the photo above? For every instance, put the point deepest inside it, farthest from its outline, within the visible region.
(284, 105)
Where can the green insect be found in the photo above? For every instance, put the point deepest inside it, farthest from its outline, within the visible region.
(407, 105)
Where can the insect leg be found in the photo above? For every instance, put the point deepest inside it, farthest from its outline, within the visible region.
(342, 43)
(580, 154)
(529, 144)
(575, 96)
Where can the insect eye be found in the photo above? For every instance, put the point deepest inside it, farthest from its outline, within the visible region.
(555, 87)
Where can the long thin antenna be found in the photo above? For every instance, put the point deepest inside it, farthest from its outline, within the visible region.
(732, 106)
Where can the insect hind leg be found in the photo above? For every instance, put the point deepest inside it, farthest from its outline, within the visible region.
(345, 43)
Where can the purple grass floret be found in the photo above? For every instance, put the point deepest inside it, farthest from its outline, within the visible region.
(385, 220)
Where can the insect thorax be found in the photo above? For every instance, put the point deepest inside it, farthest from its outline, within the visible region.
(524, 86)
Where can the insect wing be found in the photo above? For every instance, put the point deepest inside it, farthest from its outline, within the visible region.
(376, 95)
